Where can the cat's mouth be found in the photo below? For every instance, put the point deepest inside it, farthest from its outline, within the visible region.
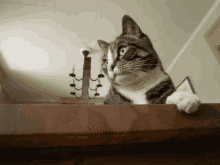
(120, 76)
(117, 75)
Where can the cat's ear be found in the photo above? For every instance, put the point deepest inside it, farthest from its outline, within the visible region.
(103, 45)
(129, 26)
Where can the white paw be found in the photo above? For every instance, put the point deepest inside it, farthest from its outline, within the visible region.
(185, 101)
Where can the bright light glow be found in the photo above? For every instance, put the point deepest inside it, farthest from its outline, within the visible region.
(24, 55)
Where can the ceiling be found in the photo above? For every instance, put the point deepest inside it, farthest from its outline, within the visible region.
(40, 39)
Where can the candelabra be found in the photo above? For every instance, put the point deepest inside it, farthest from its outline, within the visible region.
(86, 77)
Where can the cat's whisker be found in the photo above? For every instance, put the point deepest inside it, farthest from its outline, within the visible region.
(149, 59)
(150, 64)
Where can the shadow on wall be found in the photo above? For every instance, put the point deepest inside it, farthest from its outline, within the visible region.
(12, 79)
(5, 97)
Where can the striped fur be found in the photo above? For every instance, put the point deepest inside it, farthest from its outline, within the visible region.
(134, 69)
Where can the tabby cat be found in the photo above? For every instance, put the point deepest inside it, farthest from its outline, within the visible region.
(136, 73)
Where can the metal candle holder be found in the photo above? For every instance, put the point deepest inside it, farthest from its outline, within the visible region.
(86, 77)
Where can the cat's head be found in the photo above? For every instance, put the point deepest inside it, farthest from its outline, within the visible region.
(130, 55)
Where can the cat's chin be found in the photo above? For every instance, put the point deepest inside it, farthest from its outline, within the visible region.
(128, 79)
(122, 79)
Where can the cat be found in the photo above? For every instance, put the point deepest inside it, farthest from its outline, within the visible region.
(136, 73)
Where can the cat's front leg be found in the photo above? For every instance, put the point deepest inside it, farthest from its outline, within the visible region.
(185, 101)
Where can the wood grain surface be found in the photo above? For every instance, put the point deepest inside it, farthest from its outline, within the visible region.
(42, 125)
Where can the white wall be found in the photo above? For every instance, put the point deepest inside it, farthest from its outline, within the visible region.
(199, 63)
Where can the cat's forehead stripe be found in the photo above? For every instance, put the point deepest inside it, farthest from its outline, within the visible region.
(113, 47)
(109, 55)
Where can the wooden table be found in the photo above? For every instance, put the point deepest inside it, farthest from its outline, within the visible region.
(60, 132)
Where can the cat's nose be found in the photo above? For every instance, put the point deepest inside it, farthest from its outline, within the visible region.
(112, 67)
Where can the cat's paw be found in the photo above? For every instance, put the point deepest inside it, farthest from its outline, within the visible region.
(185, 101)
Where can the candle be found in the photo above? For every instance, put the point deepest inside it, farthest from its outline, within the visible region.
(73, 68)
(100, 70)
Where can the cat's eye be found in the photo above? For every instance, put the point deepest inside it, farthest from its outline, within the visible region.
(122, 51)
